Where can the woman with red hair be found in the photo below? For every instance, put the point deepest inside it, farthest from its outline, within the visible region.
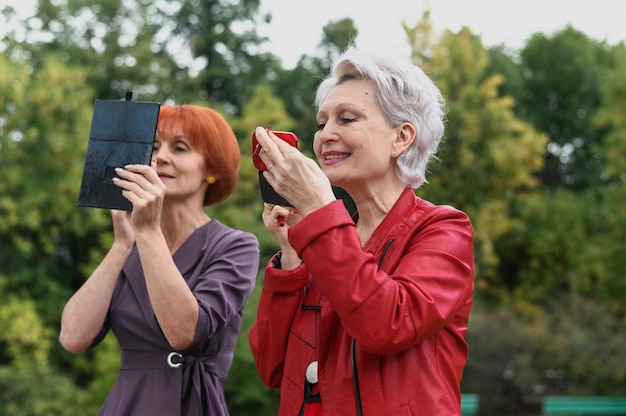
(174, 283)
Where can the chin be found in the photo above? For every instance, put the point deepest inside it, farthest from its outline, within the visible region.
(334, 180)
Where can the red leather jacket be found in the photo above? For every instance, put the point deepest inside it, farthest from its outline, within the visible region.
(404, 298)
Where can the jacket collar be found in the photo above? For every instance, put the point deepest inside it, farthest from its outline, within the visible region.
(403, 214)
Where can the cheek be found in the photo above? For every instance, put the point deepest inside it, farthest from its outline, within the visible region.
(317, 146)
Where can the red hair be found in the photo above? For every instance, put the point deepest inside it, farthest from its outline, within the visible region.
(211, 136)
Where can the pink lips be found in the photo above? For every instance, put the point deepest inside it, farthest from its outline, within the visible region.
(164, 175)
(331, 158)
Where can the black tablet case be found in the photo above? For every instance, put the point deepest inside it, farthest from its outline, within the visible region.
(122, 133)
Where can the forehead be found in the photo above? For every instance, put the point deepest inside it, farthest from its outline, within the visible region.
(170, 128)
(353, 91)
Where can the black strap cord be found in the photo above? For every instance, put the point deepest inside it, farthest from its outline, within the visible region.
(355, 379)
(355, 372)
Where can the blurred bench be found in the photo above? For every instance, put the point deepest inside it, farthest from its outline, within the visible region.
(469, 404)
(586, 405)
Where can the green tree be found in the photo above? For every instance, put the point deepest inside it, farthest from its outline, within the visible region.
(221, 36)
(46, 242)
(121, 45)
(24, 338)
(563, 243)
(48, 245)
(569, 346)
(612, 196)
(562, 94)
(504, 61)
(41, 390)
(337, 36)
(488, 156)
(42, 143)
(161, 50)
(612, 119)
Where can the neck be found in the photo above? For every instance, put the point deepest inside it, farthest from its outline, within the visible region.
(372, 211)
(178, 223)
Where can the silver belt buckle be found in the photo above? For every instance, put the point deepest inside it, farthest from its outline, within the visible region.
(172, 355)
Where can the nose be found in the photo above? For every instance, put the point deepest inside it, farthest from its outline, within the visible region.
(322, 138)
(325, 134)
(161, 155)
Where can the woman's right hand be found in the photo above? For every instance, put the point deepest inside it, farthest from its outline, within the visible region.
(296, 177)
(122, 229)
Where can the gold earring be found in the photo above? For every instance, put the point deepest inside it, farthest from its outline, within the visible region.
(211, 180)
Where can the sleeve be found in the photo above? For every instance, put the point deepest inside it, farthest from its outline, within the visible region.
(225, 283)
(280, 299)
(428, 282)
(103, 332)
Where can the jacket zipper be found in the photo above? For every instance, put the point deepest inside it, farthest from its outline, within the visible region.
(355, 373)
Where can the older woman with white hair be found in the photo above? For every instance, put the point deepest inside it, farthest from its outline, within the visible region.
(365, 313)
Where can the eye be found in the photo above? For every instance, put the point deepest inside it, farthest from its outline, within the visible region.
(180, 146)
(347, 120)
(321, 126)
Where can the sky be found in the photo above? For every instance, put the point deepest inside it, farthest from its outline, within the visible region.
(297, 25)
(296, 28)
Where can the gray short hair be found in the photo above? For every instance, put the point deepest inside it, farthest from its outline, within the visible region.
(405, 94)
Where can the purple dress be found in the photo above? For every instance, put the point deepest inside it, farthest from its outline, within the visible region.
(220, 266)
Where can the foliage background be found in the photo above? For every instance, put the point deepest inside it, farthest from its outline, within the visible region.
(534, 153)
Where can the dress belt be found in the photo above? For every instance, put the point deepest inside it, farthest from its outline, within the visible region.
(151, 360)
(192, 366)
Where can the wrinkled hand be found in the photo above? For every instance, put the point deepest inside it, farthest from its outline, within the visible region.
(296, 177)
(278, 220)
(145, 190)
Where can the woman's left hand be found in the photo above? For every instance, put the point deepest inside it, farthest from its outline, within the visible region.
(278, 219)
(296, 177)
(145, 190)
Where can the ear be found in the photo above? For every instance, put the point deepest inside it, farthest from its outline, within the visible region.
(404, 138)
